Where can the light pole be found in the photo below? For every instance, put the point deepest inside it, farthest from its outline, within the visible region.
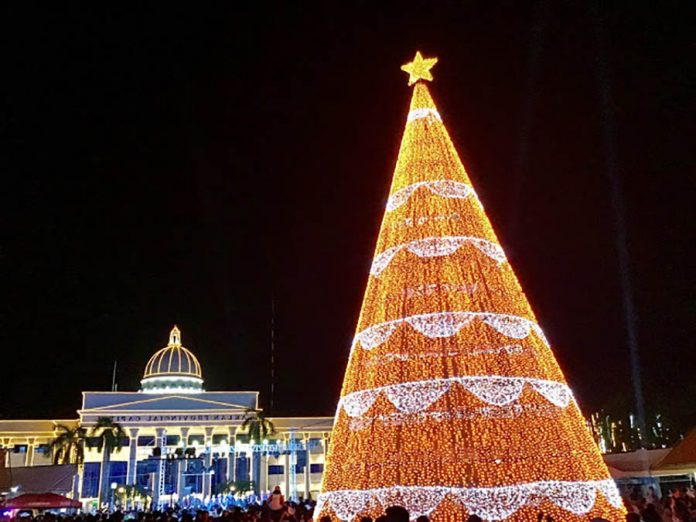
(121, 490)
(112, 498)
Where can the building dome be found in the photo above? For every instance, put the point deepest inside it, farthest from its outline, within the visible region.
(173, 369)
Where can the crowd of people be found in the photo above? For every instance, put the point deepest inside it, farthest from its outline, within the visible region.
(678, 505)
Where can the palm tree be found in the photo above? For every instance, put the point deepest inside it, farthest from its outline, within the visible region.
(258, 427)
(68, 446)
(129, 494)
(109, 436)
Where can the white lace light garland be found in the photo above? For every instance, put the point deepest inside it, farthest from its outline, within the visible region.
(437, 247)
(493, 503)
(418, 396)
(443, 187)
(417, 114)
(447, 324)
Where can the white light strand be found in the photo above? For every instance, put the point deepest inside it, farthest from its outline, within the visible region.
(493, 503)
(446, 188)
(447, 324)
(437, 247)
(509, 411)
(416, 114)
(418, 396)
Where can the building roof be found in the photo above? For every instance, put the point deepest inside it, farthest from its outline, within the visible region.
(307, 424)
(682, 456)
(27, 428)
(635, 463)
(173, 360)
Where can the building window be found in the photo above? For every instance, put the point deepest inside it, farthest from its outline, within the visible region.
(172, 440)
(170, 477)
(243, 468)
(146, 440)
(43, 449)
(90, 479)
(220, 476)
(220, 439)
(301, 461)
(316, 468)
(193, 478)
(315, 445)
(145, 472)
(276, 469)
(19, 448)
(117, 472)
(196, 440)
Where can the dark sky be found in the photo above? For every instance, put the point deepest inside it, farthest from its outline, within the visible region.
(186, 165)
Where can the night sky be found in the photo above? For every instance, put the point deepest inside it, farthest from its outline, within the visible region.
(187, 165)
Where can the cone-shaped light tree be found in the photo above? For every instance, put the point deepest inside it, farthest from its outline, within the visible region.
(453, 402)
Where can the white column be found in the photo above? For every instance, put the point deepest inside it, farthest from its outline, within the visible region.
(10, 452)
(80, 477)
(207, 477)
(160, 434)
(252, 470)
(6, 448)
(132, 472)
(76, 485)
(263, 472)
(29, 457)
(326, 441)
(181, 464)
(288, 462)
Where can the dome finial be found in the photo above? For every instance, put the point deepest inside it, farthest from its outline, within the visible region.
(175, 337)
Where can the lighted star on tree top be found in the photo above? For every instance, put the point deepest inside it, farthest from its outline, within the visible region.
(419, 68)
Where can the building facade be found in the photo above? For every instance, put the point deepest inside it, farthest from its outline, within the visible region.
(184, 445)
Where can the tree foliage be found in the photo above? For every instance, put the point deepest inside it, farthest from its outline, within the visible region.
(257, 425)
(68, 446)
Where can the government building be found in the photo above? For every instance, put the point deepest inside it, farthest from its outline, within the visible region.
(184, 445)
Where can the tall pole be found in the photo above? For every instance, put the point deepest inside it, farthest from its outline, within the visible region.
(114, 386)
(272, 354)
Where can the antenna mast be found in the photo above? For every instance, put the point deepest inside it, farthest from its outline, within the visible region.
(114, 385)
(272, 354)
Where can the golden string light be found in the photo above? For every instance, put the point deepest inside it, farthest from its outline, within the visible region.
(453, 402)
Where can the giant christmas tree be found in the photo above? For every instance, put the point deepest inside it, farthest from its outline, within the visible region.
(453, 402)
